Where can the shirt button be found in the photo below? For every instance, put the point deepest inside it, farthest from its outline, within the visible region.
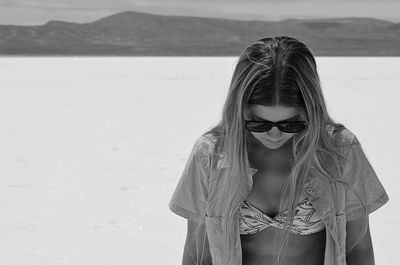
(312, 191)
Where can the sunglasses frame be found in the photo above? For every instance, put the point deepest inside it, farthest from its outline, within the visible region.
(275, 124)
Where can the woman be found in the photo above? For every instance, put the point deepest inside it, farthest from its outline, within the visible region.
(277, 181)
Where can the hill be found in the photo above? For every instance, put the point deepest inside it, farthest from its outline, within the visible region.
(139, 34)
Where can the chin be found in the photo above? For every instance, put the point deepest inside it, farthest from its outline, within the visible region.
(274, 145)
(260, 140)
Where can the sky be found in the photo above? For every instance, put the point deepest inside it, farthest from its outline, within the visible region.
(38, 12)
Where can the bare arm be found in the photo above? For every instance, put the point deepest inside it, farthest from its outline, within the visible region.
(191, 255)
(362, 253)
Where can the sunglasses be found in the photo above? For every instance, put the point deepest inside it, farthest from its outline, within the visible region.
(283, 126)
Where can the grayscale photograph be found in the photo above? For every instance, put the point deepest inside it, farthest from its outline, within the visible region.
(182, 132)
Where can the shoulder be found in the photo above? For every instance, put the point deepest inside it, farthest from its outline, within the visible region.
(205, 144)
(204, 148)
(342, 136)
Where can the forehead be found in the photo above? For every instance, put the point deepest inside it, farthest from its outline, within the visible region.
(272, 113)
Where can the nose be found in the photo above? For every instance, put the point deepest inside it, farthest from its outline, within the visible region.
(274, 132)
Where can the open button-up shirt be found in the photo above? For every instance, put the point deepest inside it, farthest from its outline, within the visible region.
(190, 197)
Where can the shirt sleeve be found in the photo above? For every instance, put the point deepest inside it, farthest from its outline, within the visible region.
(190, 195)
(364, 181)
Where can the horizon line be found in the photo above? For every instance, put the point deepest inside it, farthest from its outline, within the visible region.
(205, 17)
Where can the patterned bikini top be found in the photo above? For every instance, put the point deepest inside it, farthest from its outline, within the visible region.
(306, 221)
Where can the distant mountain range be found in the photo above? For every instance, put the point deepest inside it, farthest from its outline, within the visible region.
(140, 34)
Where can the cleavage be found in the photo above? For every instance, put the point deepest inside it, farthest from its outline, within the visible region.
(273, 167)
(265, 194)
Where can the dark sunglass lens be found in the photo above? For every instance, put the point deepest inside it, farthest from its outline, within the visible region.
(292, 127)
(257, 126)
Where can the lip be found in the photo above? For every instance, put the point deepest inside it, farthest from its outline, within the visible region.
(273, 142)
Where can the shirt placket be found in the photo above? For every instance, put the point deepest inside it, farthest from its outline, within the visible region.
(319, 193)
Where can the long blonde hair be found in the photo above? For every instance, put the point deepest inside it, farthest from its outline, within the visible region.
(273, 71)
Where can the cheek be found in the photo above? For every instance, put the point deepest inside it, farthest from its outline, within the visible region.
(289, 135)
(255, 135)
(258, 136)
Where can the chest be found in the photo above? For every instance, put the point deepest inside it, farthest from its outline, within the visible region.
(273, 168)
